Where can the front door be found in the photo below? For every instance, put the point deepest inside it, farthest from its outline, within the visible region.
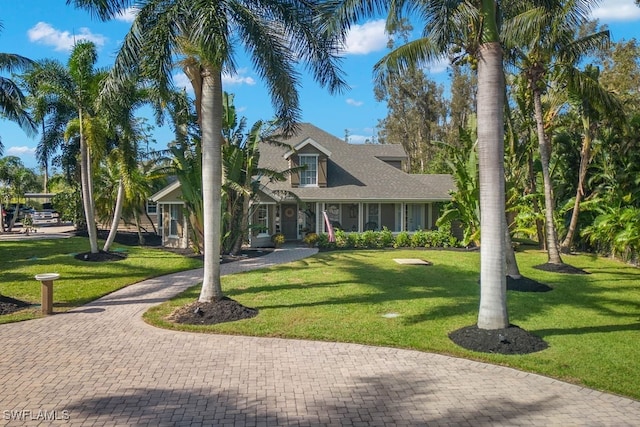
(289, 215)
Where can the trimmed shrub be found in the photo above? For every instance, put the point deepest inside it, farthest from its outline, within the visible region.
(385, 238)
(342, 241)
(278, 239)
(368, 239)
(311, 239)
(403, 240)
(419, 239)
(324, 243)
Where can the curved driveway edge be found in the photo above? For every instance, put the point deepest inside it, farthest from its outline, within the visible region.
(101, 365)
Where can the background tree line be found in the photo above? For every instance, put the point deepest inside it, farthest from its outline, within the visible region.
(591, 123)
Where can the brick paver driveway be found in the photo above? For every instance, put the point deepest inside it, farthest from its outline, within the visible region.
(102, 365)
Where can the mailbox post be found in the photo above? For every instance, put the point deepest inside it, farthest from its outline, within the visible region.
(46, 279)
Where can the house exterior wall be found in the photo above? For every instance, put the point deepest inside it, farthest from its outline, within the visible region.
(148, 224)
(395, 163)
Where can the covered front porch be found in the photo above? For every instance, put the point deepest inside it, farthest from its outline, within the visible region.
(294, 219)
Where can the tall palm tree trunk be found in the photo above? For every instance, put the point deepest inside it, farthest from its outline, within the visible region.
(116, 217)
(211, 182)
(45, 166)
(510, 254)
(553, 251)
(536, 204)
(244, 226)
(493, 290)
(585, 158)
(85, 183)
(136, 218)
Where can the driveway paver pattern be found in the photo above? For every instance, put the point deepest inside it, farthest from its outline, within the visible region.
(101, 365)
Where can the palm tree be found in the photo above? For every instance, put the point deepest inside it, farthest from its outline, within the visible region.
(550, 47)
(593, 103)
(475, 26)
(12, 101)
(77, 87)
(277, 35)
(15, 181)
(50, 112)
(126, 133)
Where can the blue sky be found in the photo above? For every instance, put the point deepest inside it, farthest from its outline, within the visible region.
(42, 29)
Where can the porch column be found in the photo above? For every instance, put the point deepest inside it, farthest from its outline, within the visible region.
(361, 214)
(185, 233)
(319, 217)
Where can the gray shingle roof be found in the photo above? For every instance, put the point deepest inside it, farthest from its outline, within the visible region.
(356, 172)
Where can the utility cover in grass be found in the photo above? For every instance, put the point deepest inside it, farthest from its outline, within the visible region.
(411, 261)
(390, 315)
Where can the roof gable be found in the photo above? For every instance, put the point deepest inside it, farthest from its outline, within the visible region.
(166, 191)
(304, 143)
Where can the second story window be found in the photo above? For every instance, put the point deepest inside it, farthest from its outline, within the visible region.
(309, 175)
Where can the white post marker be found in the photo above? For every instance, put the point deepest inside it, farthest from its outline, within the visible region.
(47, 290)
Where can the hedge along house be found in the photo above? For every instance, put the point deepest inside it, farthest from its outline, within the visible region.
(360, 186)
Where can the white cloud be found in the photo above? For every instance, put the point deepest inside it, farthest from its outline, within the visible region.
(47, 35)
(353, 102)
(239, 78)
(127, 15)
(366, 38)
(439, 66)
(182, 81)
(21, 151)
(617, 10)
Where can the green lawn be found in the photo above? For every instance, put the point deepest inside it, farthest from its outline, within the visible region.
(591, 322)
(80, 281)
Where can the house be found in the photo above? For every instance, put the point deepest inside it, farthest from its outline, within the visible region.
(359, 186)
(173, 223)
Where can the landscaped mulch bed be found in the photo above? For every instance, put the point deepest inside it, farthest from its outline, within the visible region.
(101, 256)
(560, 268)
(512, 340)
(209, 313)
(10, 305)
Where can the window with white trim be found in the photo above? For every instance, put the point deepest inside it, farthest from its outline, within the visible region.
(152, 207)
(308, 175)
(175, 220)
(373, 214)
(262, 219)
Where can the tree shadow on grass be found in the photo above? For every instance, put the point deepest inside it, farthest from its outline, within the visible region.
(382, 284)
(450, 287)
(587, 330)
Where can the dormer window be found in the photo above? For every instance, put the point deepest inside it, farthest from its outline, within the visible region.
(308, 175)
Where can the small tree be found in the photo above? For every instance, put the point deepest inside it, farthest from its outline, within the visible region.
(465, 204)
